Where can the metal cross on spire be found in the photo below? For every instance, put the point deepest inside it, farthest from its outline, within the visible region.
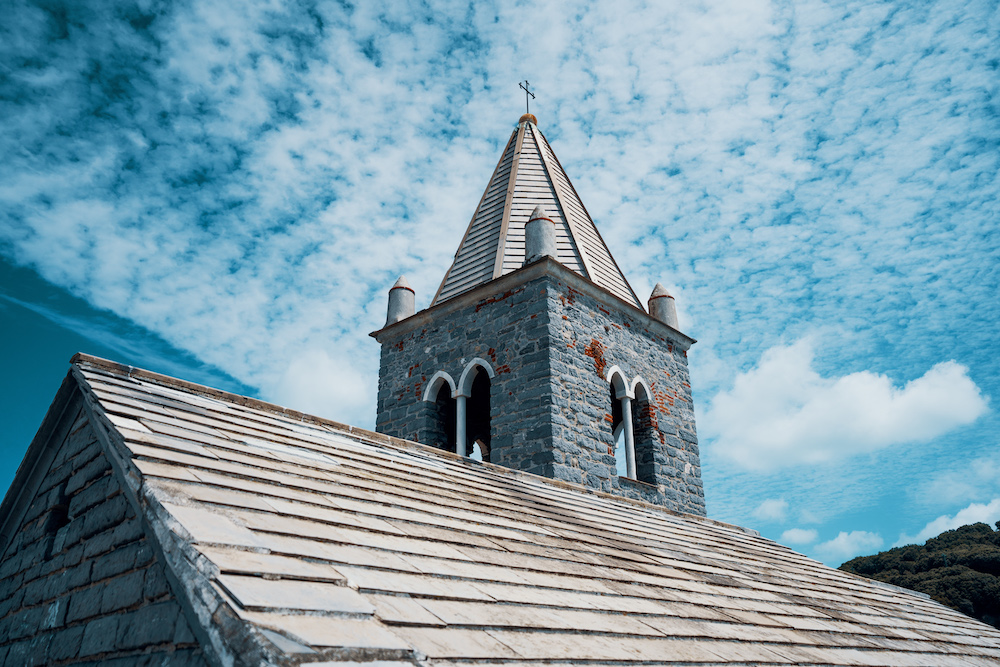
(524, 87)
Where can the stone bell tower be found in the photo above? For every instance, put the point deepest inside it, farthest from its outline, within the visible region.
(536, 354)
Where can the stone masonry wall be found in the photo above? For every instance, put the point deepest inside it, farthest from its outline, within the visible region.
(593, 338)
(551, 413)
(79, 583)
(508, 330)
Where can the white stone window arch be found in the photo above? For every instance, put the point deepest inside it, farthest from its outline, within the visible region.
(617, 379)
(640, 389)
(465, 382)
(462, 397)
(434, 386)
(440, 393)
(623, 391)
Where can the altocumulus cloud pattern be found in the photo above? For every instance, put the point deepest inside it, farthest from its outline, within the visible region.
(242, 179)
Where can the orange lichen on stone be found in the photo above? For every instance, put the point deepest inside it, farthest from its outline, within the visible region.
(596, 351)
(497, 299)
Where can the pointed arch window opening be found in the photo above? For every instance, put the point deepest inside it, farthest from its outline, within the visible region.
(442, 419)
(478, 416)
(460, 419)
(622, 424)
(643, 427)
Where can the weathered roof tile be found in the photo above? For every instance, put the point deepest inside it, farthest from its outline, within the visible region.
(360, 548)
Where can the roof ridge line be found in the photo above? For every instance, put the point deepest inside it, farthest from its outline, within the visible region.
(82, 360)
(507, 201)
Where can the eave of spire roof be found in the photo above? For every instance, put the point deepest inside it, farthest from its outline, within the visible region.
(528, 175)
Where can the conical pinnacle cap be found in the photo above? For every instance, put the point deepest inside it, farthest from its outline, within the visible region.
(401, 284)
(539, 213)
(659, 291)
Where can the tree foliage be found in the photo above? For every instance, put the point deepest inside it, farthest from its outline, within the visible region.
(959, 568)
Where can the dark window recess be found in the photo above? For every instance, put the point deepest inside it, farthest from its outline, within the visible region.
(644, 427)
(616, 409)
(444, 418)
(478, 413)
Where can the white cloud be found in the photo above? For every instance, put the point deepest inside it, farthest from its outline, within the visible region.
(972, 479)
(808, 516)
(988, 513)
(782, 412)
(772, 509)
(848, 545)
(799, 536)
(319, 383)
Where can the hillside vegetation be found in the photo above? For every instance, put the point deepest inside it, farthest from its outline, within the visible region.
(959, 568)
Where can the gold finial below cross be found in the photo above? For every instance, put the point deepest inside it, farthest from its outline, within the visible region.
(524, 87)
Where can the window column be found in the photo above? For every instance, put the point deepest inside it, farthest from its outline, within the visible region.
(460, 436)
(626, 403)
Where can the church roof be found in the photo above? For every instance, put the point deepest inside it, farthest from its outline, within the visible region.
(305, 540)
(528, 175)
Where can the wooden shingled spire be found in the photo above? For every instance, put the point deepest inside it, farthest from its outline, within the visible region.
(530, 175)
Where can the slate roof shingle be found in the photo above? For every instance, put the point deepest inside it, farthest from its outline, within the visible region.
(341, 544)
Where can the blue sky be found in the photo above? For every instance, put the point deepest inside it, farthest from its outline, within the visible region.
(225, 193)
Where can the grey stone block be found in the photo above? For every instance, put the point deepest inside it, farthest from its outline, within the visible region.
(34, 591)
(100, 636)
(98, 467)
(182, 631)
(11, 594)
(150, 625)
(55, 614)
(104, 515)
(567, 474)
(75, 577)
(65, 644)
(85, 603)
(95, 492)
(34, 554)
(117, 561)
(82, 446)
(122, 591)
(28, 652)
(24, 623)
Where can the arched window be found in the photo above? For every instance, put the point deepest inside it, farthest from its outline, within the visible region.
(444, 419)
(621, 423)
(478, 415)
(643, 427)
(440, 417)
(472, 408)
